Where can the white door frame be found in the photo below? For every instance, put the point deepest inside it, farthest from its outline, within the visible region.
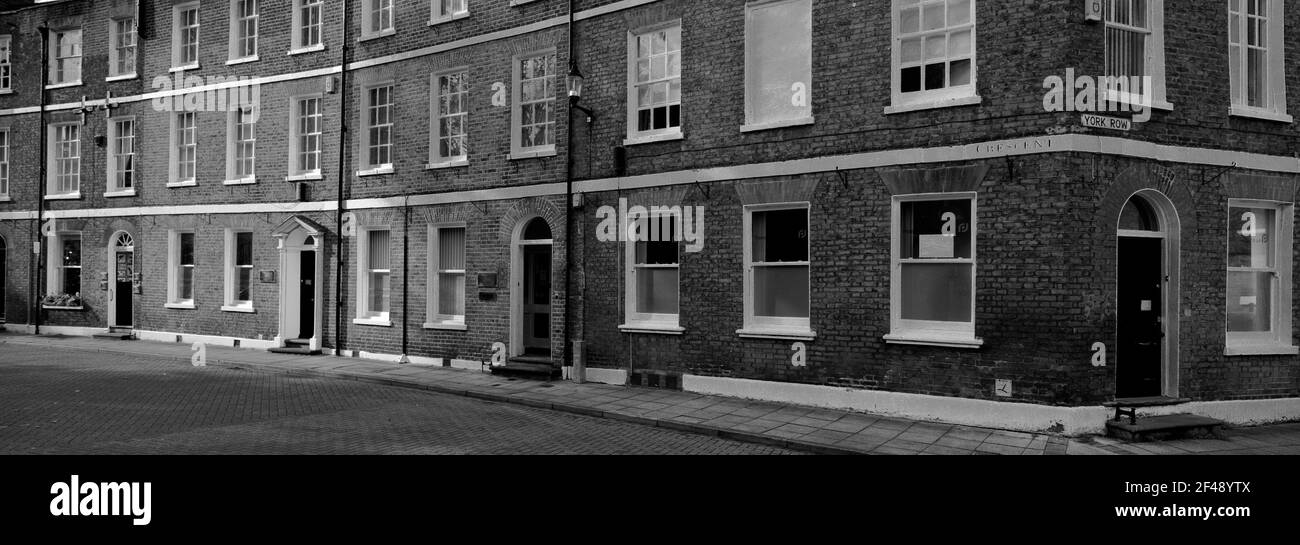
(1170, 230)
(517, 245)
(113, 250)
(291, 245)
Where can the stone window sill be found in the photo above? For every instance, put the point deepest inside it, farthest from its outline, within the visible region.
(777, 334)
(917, 339)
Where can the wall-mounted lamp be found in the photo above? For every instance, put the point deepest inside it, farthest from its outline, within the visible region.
(575, 84)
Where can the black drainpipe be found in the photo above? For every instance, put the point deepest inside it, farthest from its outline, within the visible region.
(40, 184)
(568, 213)
(406, 249)
(343, 177)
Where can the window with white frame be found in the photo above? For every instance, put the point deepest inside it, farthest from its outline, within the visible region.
(242, 143)
(1134, 36)
(4, 163)
(778, 63)
(239, 270)
(447, 271)
(65, 160)
(777, 266)
(932, 280)
(65, 57)
(243, 29)
(122, 51)
(445, 10)
(185, 36)
(378, 137)
(1255, 57)
(534, 113)
(374, 279)
(184, 148)
(378, 19)
(1259, 276)
(653, 256)
(121, 155)
(64, 264)
(307, 25)
(180, 269)
(655, 87)
(450, 114)
(6, 64)
(933, 52)
(305, 138)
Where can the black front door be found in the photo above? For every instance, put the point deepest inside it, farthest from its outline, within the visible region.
(307, 295)
(1140, 318)
(537, 300)
(122, 288)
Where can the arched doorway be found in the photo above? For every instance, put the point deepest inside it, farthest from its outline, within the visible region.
(530, 272)
(121, 281)
(1146, 315)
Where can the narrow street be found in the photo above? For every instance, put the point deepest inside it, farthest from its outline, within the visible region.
(56, 401)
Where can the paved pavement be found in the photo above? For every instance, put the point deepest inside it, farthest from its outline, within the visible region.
(61, 401)
(756, 422)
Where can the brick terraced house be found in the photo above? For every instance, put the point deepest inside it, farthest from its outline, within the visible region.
(993, 213)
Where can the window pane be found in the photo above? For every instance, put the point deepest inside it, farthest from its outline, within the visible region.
(451, 289)
(187, 283)
(245, 285)
(780, 236)
(1251, 239)
(935, 229)
(72, 252)
(781, 291)
(780, 55)
(380, 250)
(379, 291)
(937, 292)
(187, 248)
(451, 253)
(244, 248)
(656, 291)
(1250, 298)
(72, 281)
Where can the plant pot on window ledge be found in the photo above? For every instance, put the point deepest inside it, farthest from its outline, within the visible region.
(63, 302)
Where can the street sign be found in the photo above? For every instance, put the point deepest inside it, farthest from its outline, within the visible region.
(1104, 122)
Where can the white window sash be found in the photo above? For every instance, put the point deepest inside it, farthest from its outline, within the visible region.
(634, 85)
(64, 167)
(232, 272)
(6, 63)
(948, 93)
(308, 25)
(439, 13)
(1280, 304)
(364, 274)
(118, 139)
(516, 125)
(299, 156)
(185, 37)
(929, 330)
(4, 163)
(801, 326)
(65, 55)
(384, 144)
(123, 45)
(634, 318)
(435, 295)
(245, 30)
(436, 156)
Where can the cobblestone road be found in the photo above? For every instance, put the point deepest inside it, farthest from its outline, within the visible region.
(55, 401)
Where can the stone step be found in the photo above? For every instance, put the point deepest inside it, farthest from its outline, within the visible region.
(520, 366)
(301, 350)
(117, 334)
(1158, 428)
